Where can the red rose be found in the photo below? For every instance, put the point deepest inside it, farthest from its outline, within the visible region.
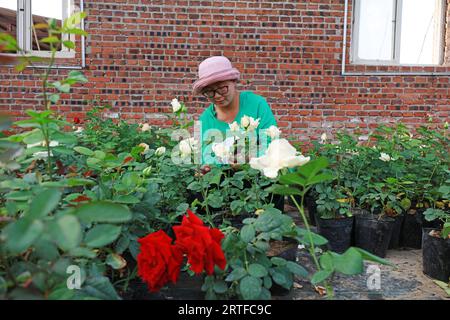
(158, 260)
(200, 243)
(76, 120)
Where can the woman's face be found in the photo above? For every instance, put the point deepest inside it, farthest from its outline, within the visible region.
(221, 93)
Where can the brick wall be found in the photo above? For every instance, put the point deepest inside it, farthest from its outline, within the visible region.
(141, 54)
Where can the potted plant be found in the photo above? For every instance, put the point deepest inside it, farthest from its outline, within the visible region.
(334, 217)
(436, 241)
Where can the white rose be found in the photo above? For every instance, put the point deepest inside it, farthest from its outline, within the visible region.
(245, 122)
(145, 127)
(160, 151)
(273, 132)
(37, 144)
(145, 146)
(79, 130)
(280, 154)
(223, 150)
(176, 105)
(187, 146)
(384, 157)
(323, 137)
(42, 154)
(253, 124)
(234, 127)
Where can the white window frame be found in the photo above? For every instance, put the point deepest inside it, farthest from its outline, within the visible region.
(396, 39)
(24, 33)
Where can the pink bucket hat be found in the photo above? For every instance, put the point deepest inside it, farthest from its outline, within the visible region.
(212, 70)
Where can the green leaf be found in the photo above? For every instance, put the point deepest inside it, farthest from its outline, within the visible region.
(296, 269)
(371, 257)
(99, 154)
(311, 168)
(45, 202)
(21, 234)
(292, 178)
(326, 261)
(102, 235)
(320, 178)
(69, 44)
(236, 274)
(279, 278)
(116, 261)
(83, 253)
(66, 231)
(256, 270)
(92, 161)
(103, 211)
(220, 287)
(321, 276)
(46, 250)
(129, 199)
(349, 263)
(278, 261)
(247, 233)
(283, 190)
(250, 288)
(19, 195)
(84, 151)
(317, 239)
(54, 98)
(51, 39)
(65, 88)
(100, 288)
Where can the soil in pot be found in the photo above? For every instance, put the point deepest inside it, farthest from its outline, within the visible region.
(373, 233)
(396, 232)
(436, 255)
(337, 231)
(411, 234)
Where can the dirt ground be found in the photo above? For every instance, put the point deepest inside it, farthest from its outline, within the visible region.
(407, 282)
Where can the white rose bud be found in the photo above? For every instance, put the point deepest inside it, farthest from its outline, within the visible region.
(185, 148)
(234, 127)
(384, 157)
(145, 146)
(160, 151)
(245, 122)
(253, 124)
(145, 127)
(323, 137)
(176, 105)
(147, 171)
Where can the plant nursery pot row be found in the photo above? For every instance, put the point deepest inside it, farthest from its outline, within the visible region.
(364, 230)
(411, 234)
(435, 255)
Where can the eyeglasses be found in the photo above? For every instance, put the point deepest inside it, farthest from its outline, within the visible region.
(212, 93)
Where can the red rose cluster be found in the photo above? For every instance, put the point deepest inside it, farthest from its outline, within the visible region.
(160, 261)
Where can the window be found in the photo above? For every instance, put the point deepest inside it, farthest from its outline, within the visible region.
(18, 17)
(398, 32)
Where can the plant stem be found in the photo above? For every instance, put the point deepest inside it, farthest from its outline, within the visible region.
(312, 249)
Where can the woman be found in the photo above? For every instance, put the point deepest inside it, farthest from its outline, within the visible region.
(217, 82)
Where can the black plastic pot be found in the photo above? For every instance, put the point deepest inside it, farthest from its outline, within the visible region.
(337, 231)
(414, 221)
(373, 233)
(186, 288)
(396, 232)
(286, 249)
(436, 256)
